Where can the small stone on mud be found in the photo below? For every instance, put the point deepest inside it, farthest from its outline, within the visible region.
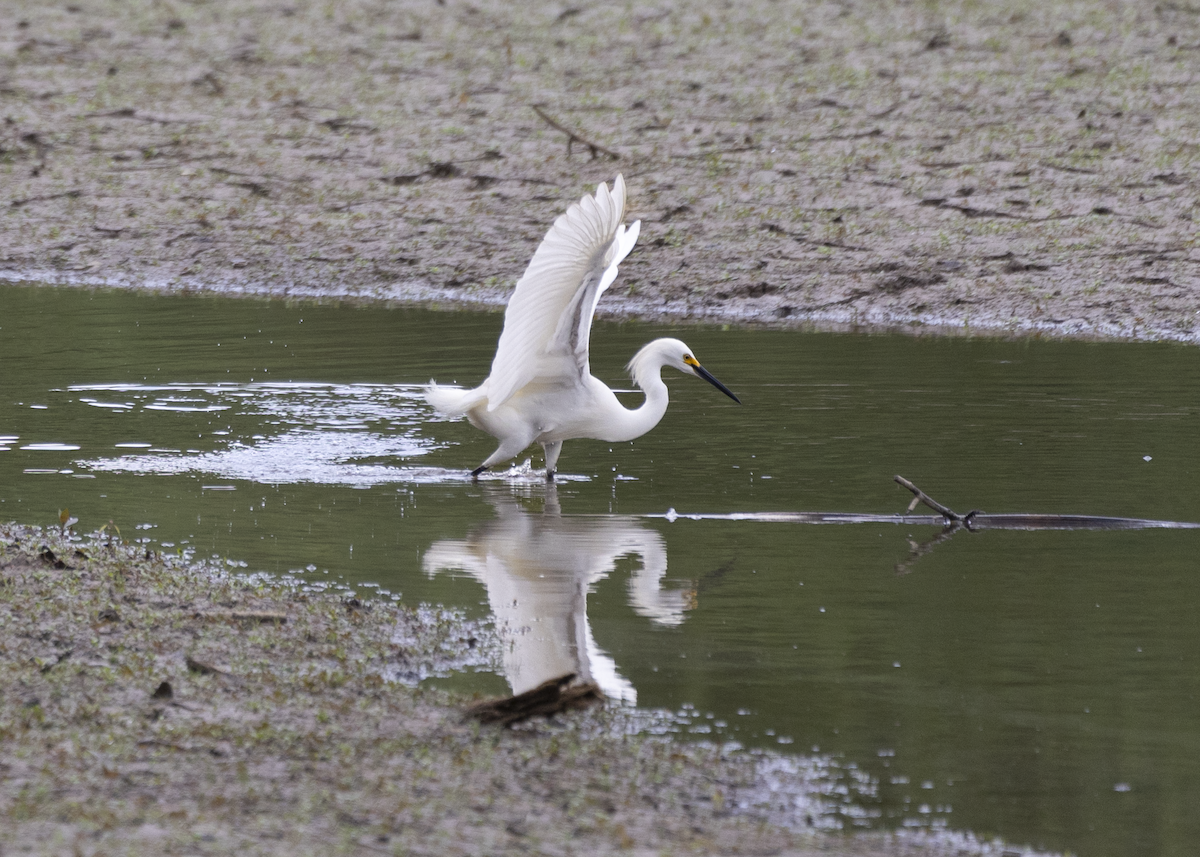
(759, 289)
(204, 668)
(940, 39)
(904, 280)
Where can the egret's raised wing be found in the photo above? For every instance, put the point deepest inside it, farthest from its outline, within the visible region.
(549, 318)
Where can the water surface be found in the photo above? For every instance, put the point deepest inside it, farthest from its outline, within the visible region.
(1040, 686)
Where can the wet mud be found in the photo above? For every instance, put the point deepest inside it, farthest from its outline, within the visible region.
(1027, 169)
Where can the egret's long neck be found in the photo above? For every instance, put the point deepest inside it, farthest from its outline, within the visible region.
(636, 422)
(648, 415)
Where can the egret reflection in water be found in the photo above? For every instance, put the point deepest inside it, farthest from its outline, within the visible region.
(538, 570)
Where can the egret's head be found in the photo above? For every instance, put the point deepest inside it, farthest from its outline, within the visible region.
(672, 352)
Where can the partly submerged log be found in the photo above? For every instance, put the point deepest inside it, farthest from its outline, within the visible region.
(946, 517)
(949, 520)
(548, 698)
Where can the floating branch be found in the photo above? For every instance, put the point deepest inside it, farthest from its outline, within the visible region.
(573, 136)
(952, 517)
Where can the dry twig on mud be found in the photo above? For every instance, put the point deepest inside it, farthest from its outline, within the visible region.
(573, 136)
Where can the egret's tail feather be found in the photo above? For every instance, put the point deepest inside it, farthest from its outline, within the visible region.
(452, 401)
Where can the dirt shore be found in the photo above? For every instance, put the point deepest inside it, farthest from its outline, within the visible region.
(153, 708)
(1026, 168)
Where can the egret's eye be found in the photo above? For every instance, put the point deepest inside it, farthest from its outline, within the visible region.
(690, 360)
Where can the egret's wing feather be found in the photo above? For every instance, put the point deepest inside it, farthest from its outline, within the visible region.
(548, 320)
(574, 331)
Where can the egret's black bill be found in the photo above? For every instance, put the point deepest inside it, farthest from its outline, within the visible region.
(707, 376)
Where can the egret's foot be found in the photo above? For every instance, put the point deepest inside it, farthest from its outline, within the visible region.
(475, 473)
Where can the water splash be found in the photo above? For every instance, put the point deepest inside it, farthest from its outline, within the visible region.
(526, 473)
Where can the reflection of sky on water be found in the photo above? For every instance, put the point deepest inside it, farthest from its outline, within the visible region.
(328, 433)
(299, 456)
(538, 571)
(299, 403)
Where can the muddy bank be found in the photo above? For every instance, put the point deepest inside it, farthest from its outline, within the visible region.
(156, 707)
(1030, 168)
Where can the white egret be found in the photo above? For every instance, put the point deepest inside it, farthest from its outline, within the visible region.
(541, 387)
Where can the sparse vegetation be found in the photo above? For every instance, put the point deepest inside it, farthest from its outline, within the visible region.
(125, 121)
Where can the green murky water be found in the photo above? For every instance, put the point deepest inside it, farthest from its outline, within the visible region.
(1040, 686)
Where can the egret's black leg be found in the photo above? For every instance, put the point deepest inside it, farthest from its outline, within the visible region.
(552, 448)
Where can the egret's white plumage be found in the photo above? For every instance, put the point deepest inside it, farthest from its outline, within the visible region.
(541, 387)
